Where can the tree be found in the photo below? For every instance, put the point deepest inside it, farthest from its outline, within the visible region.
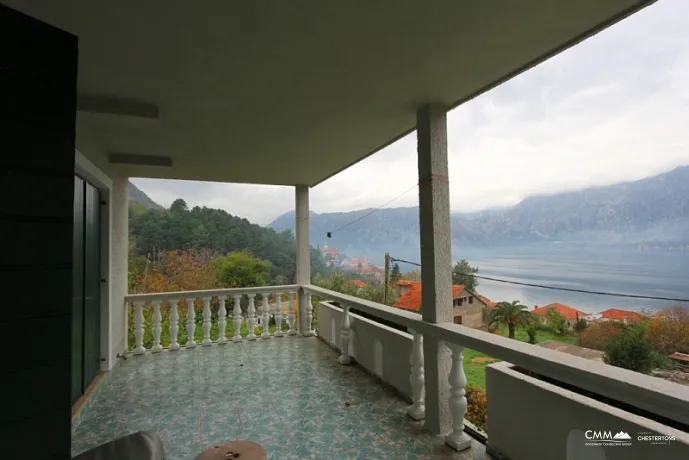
(463, 273)
(413, 276)
(556, 321)
(179, 206)
(630, 349)
(510, 314)
(241, 269)
(395, 274)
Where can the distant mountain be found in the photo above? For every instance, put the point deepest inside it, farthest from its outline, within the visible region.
(654, 210)
(138, 196)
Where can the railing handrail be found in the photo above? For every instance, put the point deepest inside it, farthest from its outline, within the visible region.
(652, 394)
(210, 293)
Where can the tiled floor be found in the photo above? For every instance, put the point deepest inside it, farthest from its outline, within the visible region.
(289, 394)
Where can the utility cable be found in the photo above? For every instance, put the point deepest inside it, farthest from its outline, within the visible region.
(554, 288)
(330, 233)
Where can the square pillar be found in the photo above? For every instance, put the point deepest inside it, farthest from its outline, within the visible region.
(436, 258)
(303, 251)
(119, 263)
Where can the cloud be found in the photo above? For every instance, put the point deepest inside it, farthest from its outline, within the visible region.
(611, 109)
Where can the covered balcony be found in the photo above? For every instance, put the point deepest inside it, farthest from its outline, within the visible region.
(280, 94)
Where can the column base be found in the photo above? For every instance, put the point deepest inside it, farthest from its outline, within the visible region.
(251, 337)
(191, 344)
(266, 335)
(344, 360)
(156, 349)
(278, 333)
(416, 412)
(310, 334)
(461, 441)
(236, 339)
(291, 332)
(222, 341)
(139, 351)
(173, 347)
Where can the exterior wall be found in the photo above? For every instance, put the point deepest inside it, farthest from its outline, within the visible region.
(472, 314)
(379, 349)
(558, 420)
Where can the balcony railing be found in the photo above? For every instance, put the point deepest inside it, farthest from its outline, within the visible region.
(662, 399)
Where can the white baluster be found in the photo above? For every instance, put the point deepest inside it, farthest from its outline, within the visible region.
(309, 316)
(207, 342)
(237, 319)
(458, 439)
(222, 320)
(252, 317)
(139, 328)
(174, 325)
(290, 315)
(266, 317)
(417, 410)
(278, 315)
(191, 322)
(344, 337)
(156, 327)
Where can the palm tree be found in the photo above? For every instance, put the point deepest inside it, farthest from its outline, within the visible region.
(511, 314)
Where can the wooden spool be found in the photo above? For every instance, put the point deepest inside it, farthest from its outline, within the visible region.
(240, 450)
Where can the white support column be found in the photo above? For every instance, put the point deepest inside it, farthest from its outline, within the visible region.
(237, 319)
(458, 439)
(278, 315)
(157, 347)
(436, 257)
(251, 320)
(417, 410)
(222, 320)
(303, 251)
(309, 316)
(119, 265)
(265, 333)
(191, 322)
(174, 325)
(345, 337)
(139, 328)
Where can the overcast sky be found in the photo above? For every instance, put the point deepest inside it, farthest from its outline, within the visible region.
(611, 109)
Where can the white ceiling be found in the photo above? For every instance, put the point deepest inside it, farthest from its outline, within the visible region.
(292, 92)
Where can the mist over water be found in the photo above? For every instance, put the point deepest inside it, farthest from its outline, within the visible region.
(650, 272)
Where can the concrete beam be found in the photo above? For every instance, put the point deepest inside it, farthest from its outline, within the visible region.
(113, 105)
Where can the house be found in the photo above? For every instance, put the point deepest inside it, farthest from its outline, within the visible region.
(467, 307)
(358, 284)
(489, 303)
(616, 314)
(570, 313)
(331, 256)
(95, 93)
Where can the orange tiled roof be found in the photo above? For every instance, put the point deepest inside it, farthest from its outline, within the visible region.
(489, 303)
(411, 299)
(360, 284)
(621, 315)
(565, 310)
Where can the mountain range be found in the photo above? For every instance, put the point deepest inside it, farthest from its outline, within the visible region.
(654, 211)
(138, 196)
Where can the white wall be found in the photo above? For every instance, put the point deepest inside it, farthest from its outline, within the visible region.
(381, 350)
(529, 419)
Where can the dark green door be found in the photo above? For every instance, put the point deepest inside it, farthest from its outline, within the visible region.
(91, 284)
(85, 287)
(78, 291)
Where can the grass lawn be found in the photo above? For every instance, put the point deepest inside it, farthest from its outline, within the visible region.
(475, 363)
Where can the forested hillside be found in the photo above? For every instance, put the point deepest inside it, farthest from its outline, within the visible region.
(215, 232)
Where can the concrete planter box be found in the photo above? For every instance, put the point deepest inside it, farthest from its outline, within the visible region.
(531, 419)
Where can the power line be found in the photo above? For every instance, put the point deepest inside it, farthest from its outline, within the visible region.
(330, 233)
(554, 288)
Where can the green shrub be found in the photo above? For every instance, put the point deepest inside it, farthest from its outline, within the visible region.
(556, 321)
(477, 406)
(531, 331)
(631, 349)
